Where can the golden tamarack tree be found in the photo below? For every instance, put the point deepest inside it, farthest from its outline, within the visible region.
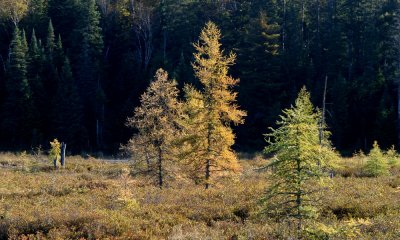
(298, 162)
(209, 112)
(156, 122)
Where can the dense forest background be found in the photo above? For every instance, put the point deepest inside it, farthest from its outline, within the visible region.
(75, 69)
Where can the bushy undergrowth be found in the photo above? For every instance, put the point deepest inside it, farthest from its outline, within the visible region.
(376, 163)
(93, 199)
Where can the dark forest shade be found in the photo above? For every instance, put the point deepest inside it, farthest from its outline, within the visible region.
(114, 49)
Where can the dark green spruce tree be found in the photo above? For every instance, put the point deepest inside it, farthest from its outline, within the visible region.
(39, 98)
(37, 16)
(68, 111)
(16, 121)
(259, 64)
(50, 40)
(50, 68)
(88, 71)
(58, 55)
(49, 77)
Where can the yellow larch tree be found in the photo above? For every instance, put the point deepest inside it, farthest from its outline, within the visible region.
(210, 112)
(156, 122)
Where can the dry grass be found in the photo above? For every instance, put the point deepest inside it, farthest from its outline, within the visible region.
(92, 199)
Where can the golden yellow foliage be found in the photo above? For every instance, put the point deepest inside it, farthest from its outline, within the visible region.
(14, 9)
(156, 120)
(55, 151)
(209, 112)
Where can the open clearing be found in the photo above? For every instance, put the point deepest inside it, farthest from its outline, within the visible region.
(92, 199)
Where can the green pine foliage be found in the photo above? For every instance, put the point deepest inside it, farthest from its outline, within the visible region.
(50, 76)
(392, 157)
(59, 55)
(24, 42)
(34, 71)
(90, 29)
(68, 111)
(51, 38)
(88, 45)
(298, 162)
(17, 108)
(280, 47)
(376, 164)
(37, 14)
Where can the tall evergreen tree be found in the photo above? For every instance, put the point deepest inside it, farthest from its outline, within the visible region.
(17, 109)
(50, 69)
(68, 111)
(90, 30)
(49, 77)
(39, 98)
(34, 53)
(50, 40)
(2, 81)
(259, 60)
(156, 122)
(88, 70)
(281, 46)
(59, 54)
(37, 14)
(297, 163)
(24, 43)
(219, 105)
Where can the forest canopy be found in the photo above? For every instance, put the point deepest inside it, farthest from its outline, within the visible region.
(76, 68)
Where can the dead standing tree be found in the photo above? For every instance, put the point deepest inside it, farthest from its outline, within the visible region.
(142, 26)
(104, 6)
(63, 149)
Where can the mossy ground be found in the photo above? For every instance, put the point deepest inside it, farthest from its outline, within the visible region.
(96, 199)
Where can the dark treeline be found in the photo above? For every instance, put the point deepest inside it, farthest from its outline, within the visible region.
(74, 69)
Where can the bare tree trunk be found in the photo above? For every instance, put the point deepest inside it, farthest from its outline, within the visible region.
(164, 29)
(350, 49)
(318, 16)
(284, 26)
(398, 113)
(302, 23)
(148, 162)
(100, 119)
(299, 201)
(208, 163)
(397, 37)
(104, 6)
(142, 16)
(97, 133)
(299, 226)
(55, 163)
(15, 19)
(322, 120)
(63, 149)
(165, 45)
(3, 63)
(160, 172)
(132, 7)
(322, 123)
